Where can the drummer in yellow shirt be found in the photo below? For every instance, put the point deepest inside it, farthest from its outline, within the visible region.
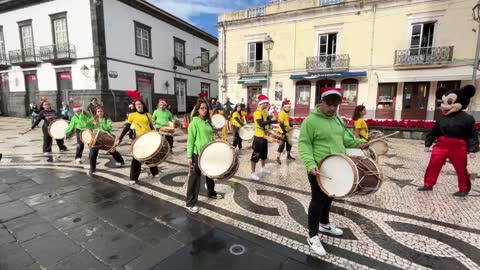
(260, 144)
(237, 121)
(283, 128)
(360, 126)
(142, 122)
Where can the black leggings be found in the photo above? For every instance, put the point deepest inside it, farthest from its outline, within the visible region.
(319, 209)
(47, 142)
(80, 145)
(281, 146)
(237, 141)
(136, 169)
(94, 155)
(194, 183)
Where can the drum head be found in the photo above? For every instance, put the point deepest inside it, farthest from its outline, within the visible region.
(146, 145)
(57, 129)
(293, 136)
(246, 133)
(380, 147)
(86, 136)
(218, 121)
(216, 159)
(338, 175)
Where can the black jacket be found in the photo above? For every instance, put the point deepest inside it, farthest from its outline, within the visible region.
(458, 125)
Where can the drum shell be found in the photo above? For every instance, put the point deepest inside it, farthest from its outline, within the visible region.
(160, 155)
(230, 172)
(86, 136)
(103, 140)
(293, 135)
(167, 131)
(368, 176)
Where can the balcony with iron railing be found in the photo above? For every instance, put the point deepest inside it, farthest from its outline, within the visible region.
(330, 2)
(58, 53)
(254, 67)
(25, 57)
(4, 64)
(335, 62)
(426, 56)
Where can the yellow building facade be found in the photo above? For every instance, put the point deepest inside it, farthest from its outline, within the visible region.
(390, 56)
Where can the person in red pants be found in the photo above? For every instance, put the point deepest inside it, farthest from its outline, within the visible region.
(456, 139)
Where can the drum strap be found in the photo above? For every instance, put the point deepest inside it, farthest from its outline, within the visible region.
(340, 121)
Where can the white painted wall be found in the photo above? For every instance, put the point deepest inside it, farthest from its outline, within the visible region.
(120, 41)
(79, 33)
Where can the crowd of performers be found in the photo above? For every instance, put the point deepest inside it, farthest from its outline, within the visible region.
(322, 133)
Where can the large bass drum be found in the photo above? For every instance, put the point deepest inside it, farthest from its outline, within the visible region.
(218, 160)
(56, 128)
(218, 121)
(246, 132)
(292, 136)
(342, 175)
(151, 149)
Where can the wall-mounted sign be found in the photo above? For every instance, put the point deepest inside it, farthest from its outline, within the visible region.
(65, 76)
(112, 74)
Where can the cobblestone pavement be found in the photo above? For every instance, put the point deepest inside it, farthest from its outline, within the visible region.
(395, 228)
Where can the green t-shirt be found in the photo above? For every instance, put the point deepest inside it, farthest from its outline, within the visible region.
(200, 133)
(162, 117)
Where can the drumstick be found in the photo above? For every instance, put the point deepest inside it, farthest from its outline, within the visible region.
(28, 130)
(324, 176)
(381, 138)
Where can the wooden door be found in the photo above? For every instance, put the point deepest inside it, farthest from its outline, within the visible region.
(415, 99)
(320, 85)
(302, 98)
(253, 92)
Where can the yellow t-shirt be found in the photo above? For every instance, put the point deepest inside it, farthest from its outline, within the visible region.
(234, 121)
(362, 126)
(141, 123)
(284, 118)
(260, 114)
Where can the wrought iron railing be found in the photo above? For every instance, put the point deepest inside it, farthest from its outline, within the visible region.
(254, 67)
(24, 56)
(424, 56)
(54, 52)
(330, 2)
(255, 12)
(334, 61)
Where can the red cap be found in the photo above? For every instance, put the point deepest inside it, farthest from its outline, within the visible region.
(202, 95)
(287, 103)
(330, 91)
(262, 99)
(163, 101)
(77, 108)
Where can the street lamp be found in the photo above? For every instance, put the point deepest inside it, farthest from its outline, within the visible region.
(476, 17)
(268, 44)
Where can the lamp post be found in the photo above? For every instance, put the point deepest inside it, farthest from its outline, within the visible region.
(268, 43)
(476, 17)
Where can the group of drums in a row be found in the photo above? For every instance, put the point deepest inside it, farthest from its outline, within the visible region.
(356, 172)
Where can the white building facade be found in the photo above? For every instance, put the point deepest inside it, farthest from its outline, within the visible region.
(63, 49)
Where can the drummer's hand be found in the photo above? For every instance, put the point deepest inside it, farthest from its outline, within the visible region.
(471, 155)
(189, 161)
(274, 118)
(363, 145)
(315, 171)
(426, 149)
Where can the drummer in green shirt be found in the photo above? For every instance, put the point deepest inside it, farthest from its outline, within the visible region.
(104, 124)
(163, 117)
(79, 122)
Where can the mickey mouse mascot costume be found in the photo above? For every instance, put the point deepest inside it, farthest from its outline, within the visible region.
(456, 138)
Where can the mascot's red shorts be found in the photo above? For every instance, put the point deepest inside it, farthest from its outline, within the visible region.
(456, 151)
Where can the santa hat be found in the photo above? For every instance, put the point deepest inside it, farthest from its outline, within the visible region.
(163, 101)
(98, 107)
(262, 99)
(93, 98)
(130, 105)
(287, 103)
(77, 108)
(330, 91)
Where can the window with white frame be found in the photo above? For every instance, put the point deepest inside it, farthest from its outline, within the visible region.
(205, 88)
(143, 42)
(350, 91)
(60, 31)
(179, 50)
(205, 60)
(327, 48)
(26, 33)
(421, 41)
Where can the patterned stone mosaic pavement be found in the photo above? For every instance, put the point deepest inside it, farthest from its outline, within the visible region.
(395, 228)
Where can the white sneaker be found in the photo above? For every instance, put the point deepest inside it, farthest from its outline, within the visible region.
(46, 153)
(316, 246)
(78, 161)
(131, 182)
(254, 176)
(193, 209)
(119, 164)
(331, 229)
(265, 170)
